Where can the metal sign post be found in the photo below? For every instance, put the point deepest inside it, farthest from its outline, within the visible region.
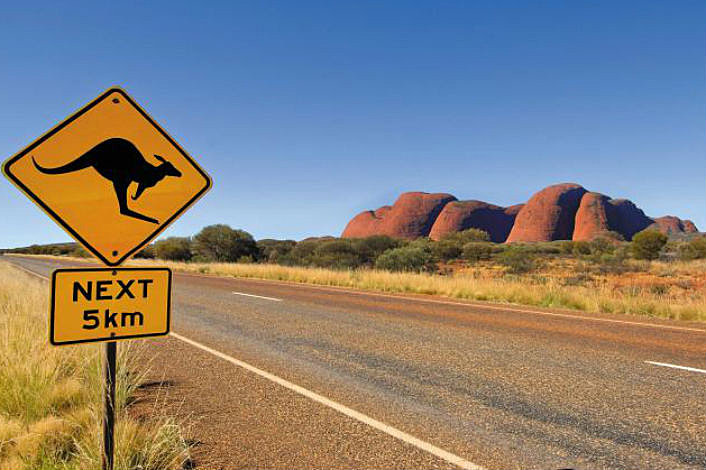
(109, 367)
(114, 180)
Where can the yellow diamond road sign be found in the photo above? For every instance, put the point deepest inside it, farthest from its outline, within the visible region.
(110, 176)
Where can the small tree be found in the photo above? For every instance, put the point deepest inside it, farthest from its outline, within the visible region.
(173, 249)
(648, 244)
(222, 243)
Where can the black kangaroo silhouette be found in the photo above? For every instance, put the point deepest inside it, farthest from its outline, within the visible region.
(119, 161)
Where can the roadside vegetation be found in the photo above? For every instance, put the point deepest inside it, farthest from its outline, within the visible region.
(50, 397)
(651, 275)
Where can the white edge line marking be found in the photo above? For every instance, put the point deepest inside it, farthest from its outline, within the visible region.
(673, 366)
(380, 426)
(257, 296)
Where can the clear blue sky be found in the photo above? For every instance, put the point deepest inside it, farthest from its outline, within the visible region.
(306, 113)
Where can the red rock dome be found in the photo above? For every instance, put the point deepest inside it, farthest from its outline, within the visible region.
(598, 214)
(548, 215)
(462, 215)
(412, 216)
(559, 212)
(670, 225)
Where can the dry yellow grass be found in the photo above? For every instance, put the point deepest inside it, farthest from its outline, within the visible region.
(674, 290)
(667, 290)
(50, 404)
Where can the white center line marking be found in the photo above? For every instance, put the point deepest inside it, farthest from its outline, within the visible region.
(673, 366)
(257, 296)
(379, 425)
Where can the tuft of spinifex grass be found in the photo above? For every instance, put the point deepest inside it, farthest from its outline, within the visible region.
(50, 397)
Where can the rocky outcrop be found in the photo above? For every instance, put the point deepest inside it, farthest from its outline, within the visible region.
(598, 214)
(689, 226)
(670, 225)
(626, 218)
(548, 215)
(591, 217)
(366, 223)
(412, 216)
(559, 212)
(461, 215)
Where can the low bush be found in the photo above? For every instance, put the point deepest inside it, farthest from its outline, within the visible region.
(447, 250)
(272, 251)
(694, 249)
(467, 236)
(517, 260)
(648, 244)
(372, 247)
(581, 248)
(173, 249)
(478, 251)
(411, 258)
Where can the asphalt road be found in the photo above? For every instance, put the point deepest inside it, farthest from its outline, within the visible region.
(495, 386)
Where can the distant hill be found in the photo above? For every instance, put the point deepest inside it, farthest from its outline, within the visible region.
(564, 211)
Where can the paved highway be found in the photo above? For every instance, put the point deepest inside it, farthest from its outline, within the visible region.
(277, 375)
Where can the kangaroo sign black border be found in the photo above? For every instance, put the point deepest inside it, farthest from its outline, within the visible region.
(7, 170)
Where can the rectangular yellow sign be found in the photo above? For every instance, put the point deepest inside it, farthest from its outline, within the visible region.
(109, 304)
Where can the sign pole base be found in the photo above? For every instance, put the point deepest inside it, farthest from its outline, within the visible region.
(109, 360)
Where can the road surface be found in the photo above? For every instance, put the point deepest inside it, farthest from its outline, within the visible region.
(277, 375)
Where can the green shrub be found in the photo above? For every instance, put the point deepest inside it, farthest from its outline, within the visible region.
(602, 245)
(80, 252)
(272, 251)
(336, 254)
(222, 243)
(173, 249)
(477, 251)
(648, 244)
(517, 260)
(581, 248)
(370, 248)
(447, 250)
(566, 247)
(467, 236)
(694, 249)
(407, 258)
(605, 243)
